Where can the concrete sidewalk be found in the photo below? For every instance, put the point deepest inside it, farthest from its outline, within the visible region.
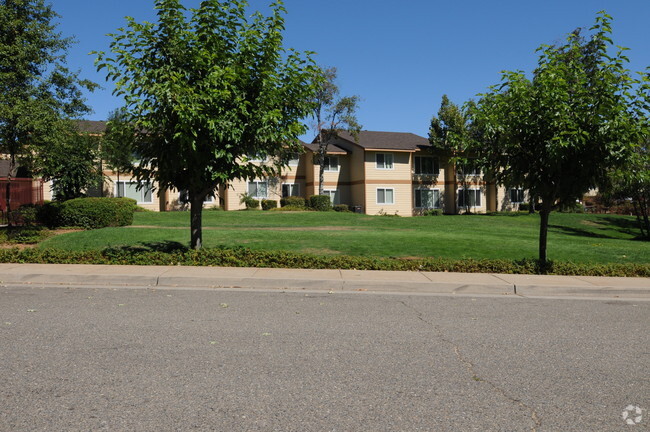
(325, 280)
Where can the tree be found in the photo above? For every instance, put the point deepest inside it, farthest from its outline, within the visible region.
(557, 133)
(37, 92)
(71, 162)
(206, 91)
(117, 148)
(333, 115)
(449, 134)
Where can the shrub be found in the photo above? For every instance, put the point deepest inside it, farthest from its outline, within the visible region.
(269, 204)
(26, 215)
(320, 202)
(26, 234)
(575, 207)
(432, 212)
(293, 201)
(524, 206)
(250, 202)
(291, 208)
(89, 213)
(139, 209)
(341, 208)
(215, 208)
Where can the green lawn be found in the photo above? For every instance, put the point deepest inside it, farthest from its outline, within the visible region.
(572, 237)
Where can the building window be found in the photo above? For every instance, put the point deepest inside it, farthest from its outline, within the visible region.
(184, 197)
(294, 159)
(331, 163)
(258, 189)
(257, 159)
(427, 165)
(469, 198)
(427, 198)
(141, 192)
(516, 195)
(290, 189)
(469, 168)
(385, 196)
(335, 196)
(384, 161)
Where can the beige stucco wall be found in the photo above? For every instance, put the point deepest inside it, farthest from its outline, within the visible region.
(399, 178)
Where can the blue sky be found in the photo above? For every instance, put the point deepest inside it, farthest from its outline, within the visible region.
(400, 57)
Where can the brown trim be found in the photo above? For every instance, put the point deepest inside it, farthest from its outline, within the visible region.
(285, 177)
(387, 182)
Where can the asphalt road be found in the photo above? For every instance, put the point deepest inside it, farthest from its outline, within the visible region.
(100, 359)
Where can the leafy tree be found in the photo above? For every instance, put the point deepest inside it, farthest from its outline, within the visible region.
(557, 133)
(333, 115)
(117, 147)
(449, 135)
(206, 91)
(71, 162)
(37, 91)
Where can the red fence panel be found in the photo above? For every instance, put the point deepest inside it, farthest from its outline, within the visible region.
(21, 191)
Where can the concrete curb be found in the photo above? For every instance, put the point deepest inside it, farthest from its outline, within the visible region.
(325, 280)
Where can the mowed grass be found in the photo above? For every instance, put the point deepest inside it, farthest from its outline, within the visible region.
(572, 237)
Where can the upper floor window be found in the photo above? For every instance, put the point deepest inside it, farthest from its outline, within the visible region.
(426, 165)
(331, 163)
(384, 161)
(294, 159)
(468, 168)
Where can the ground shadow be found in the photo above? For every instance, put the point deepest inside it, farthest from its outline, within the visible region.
(163, 246)
(623, 225)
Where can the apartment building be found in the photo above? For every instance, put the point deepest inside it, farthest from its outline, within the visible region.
(374, 172)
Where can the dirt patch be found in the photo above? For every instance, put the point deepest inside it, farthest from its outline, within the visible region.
(590, 223)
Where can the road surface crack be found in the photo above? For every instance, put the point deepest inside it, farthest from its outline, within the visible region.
(471, 368)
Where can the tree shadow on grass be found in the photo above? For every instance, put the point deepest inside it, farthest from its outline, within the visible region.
(623, 225)
(163, 246)
(620, 225)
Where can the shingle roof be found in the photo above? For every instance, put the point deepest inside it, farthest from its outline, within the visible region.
(91, 126)
(331, 148)
(388, 140)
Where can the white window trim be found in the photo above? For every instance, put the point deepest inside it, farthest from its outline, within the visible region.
(470, 189)
(141, 190)
(435, 159)
(392, 163)
(328, 168)
(427, 189)
(384, 189)
(259, 181)
(335, 192)
(294, 162)
(295, 185)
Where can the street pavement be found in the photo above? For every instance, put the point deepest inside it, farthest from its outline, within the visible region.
(126, 348)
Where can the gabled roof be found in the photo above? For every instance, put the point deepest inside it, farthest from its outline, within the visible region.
(331, 148)
(91, 126)
(373, 140)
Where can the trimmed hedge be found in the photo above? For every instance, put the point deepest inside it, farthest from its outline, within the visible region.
(292, 201)
(269, 204)
(320, 202)
(243, 257)
(341, 208)
(88, 213)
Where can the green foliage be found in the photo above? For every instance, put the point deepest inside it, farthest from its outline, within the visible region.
(557, 134)
(293, 201)
(26, 215)
(23, 234)
(333, 115)
(250, 202)
(574, 207)
(215, 208)
(241, 257)
(291, 208)
(211, 87)
(89, 213)
(449, 131)
(432, 212)
(320, 202)
(269, 204)
(72, 163)
(117, 149)
(341, 208)
(38, 91)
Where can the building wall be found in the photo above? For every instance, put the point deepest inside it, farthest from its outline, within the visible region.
(398, 178)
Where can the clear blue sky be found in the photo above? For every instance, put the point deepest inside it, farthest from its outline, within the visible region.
(400, 57)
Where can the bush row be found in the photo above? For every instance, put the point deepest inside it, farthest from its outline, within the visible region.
(88, 213)
(244, 257)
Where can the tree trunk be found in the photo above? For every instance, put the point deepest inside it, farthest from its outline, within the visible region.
(531, 203)
(543, 234)
(12, 164)
(196, 212)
